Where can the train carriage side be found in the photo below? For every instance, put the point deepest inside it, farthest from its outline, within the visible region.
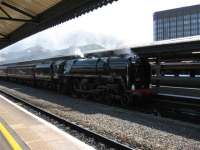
(3, 72)
(44, 74)
(21, 73)
(179, 74)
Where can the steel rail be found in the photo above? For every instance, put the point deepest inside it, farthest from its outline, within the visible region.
(181, 99)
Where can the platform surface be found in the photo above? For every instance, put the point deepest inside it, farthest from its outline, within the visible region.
(36, 133)
(4, 145)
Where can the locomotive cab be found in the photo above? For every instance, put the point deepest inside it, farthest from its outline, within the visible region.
(139, 74)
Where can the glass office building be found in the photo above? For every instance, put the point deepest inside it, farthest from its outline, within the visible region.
(176, 23)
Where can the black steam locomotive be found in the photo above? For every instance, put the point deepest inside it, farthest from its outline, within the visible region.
(109, 79)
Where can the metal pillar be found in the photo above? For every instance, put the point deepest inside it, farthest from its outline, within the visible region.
(158, 75)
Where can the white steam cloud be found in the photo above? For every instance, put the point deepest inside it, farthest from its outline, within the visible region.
(79, 52)
(45, 45)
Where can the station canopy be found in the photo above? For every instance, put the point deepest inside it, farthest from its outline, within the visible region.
(22, 18)
(174, 49)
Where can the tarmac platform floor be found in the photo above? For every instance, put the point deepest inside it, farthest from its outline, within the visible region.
(19, 129)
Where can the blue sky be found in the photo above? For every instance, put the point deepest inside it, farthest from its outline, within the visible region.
(123, 23)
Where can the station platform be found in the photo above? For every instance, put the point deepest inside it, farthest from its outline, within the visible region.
(21, 130)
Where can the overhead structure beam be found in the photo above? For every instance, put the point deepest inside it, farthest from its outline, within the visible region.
(5, 12)
(4, 40)
(17, 9)
(3, 35)
(10, 18)
(16, 19)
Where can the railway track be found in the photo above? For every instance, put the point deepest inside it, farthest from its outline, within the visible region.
(184, 108)
(180, 99)
(90, 137)
(177, 107)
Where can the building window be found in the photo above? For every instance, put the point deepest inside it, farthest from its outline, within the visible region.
(186, 19)
(198, 23)
(159, 29)
(180, 26)
(194, 24)
(186, 25)
(172, 27)
(175, 25)
(166, 28)
(194, 18)
(155, 28)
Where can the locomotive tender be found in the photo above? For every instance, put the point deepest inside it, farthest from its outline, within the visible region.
(108, 79)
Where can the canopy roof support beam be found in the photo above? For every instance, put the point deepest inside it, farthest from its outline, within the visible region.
(10, 18)
(5, 12)
(17, 9)
(16, 19)
(3, 35)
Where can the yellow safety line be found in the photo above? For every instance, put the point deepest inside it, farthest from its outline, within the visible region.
(9, 138)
